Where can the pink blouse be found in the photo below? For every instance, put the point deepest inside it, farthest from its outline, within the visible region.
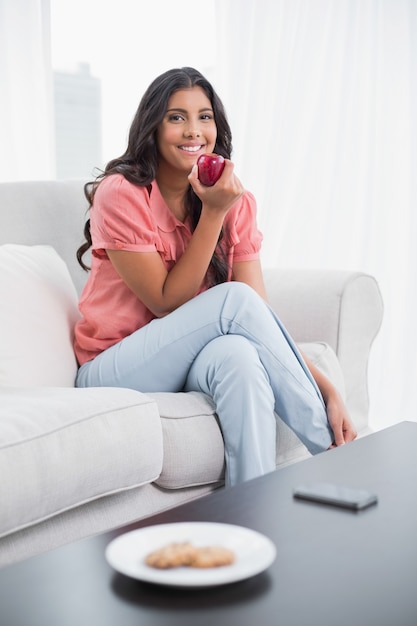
(127, 217)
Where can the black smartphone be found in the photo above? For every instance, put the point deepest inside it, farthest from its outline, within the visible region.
(336, 495)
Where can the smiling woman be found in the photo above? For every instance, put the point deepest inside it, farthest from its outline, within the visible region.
(176, 300)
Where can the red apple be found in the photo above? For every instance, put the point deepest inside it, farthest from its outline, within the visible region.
(210, 168)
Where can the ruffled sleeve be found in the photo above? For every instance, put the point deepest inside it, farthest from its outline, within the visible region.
(121, 218)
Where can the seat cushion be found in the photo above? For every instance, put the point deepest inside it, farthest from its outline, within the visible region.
(37, 315)
(60, 448)
(325, 359)
(193, 444)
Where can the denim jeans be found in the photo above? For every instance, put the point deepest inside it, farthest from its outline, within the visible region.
(228, 343)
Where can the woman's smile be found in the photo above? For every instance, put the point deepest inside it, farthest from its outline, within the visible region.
(192, 148)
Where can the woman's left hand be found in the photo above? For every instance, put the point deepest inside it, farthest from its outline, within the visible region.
(343, 429)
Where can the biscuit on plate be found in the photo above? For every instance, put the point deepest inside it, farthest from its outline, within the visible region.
(172, 555)
(212, 556)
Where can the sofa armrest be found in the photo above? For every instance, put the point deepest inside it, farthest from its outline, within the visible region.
(343, 309)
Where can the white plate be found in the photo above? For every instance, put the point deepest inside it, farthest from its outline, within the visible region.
(254, 553)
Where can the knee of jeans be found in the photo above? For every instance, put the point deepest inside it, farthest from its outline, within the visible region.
(236, 353)
(241, 288)
(240, 292)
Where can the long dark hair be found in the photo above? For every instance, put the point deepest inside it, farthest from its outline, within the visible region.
(139, 163)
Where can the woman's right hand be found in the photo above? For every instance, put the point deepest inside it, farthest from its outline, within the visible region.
(219, 198)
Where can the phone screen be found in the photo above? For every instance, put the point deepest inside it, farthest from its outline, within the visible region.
(337, 495)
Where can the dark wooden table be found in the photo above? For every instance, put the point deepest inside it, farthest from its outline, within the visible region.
(333, 567)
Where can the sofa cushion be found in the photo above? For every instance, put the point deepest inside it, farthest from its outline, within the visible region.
(37, 315)
(325, 359)
(193, 444)
(60, 448)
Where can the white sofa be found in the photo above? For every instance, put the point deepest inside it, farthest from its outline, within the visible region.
(75, 462)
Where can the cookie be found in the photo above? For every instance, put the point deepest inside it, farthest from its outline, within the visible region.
(212, 556)
(172, 555)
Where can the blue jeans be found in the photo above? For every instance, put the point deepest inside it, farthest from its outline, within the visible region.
(228, 343)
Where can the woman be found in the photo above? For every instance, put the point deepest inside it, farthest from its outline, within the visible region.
(175, 300)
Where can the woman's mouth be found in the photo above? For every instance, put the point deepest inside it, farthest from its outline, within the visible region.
(191, 149)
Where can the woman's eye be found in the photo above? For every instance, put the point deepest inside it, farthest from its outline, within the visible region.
(206, 116)
(175, 117)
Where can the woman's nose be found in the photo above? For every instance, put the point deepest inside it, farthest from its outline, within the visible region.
(192, 130)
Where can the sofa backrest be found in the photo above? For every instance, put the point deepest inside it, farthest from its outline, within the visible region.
(46, 212)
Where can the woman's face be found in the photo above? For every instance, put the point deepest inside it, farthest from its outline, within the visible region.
(187, 130)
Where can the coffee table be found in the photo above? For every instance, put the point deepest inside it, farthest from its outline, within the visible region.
(333, 567)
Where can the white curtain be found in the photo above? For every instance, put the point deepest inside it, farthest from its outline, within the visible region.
(322, 100)
(26, 128)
